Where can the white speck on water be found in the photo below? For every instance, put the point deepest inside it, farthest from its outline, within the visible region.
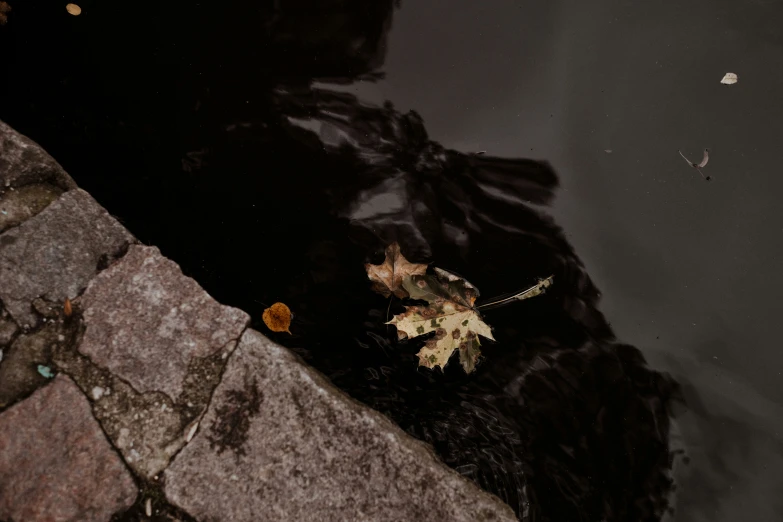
(234, 477)
(97, 392)
(148, 507)
(729, 79)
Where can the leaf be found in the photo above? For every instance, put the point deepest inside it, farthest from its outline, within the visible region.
(4, 10)
(450, 314)
(443, 285)
(388, 276)
(278, 318)
(73, 9)
(729, 79)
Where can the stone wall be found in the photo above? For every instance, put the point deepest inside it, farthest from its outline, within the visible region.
(128, 393)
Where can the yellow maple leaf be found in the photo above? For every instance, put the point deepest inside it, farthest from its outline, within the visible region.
(451, 315)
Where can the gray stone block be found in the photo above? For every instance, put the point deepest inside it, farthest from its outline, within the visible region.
(55, 253)
(146, 322)
(55, 463)
(279, 442)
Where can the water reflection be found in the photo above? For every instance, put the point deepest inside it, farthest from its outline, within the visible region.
(266, 188)
(557, 406)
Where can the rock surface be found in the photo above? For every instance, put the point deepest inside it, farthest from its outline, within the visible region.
(55, 463)
(55, 253)
(138, 360)
(280, 443)
(146, 322)
(146, 428)
(19, 374)
(23, 162)
(21, 204)
(8, 329)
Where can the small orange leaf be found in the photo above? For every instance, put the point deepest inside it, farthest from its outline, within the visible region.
(67, 308)
(73, 9)
(278, 318)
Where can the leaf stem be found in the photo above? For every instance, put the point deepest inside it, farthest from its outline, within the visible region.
(537, 289)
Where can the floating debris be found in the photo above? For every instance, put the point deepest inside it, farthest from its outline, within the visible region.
(73, 9)
(388, 276)
(729, 79)
(45, 371)
(4, 10)
(450, 314)
(608, 151)
(278, 318)
(67, 308)
(148, 507)
(698, 166)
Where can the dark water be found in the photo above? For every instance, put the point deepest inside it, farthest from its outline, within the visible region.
(253, 144)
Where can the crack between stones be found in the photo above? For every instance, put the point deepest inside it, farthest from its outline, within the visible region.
(163, 508)
(212, 391)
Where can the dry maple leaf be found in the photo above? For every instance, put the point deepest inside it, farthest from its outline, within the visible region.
(388, 276)
(450, 314)
(278, 318)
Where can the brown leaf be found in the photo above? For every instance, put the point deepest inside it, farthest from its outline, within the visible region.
(277, 318)
(67, 308)
(387, 277)
(73, 9)
(4, 10)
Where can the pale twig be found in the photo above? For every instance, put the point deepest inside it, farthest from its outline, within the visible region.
(698, 166)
